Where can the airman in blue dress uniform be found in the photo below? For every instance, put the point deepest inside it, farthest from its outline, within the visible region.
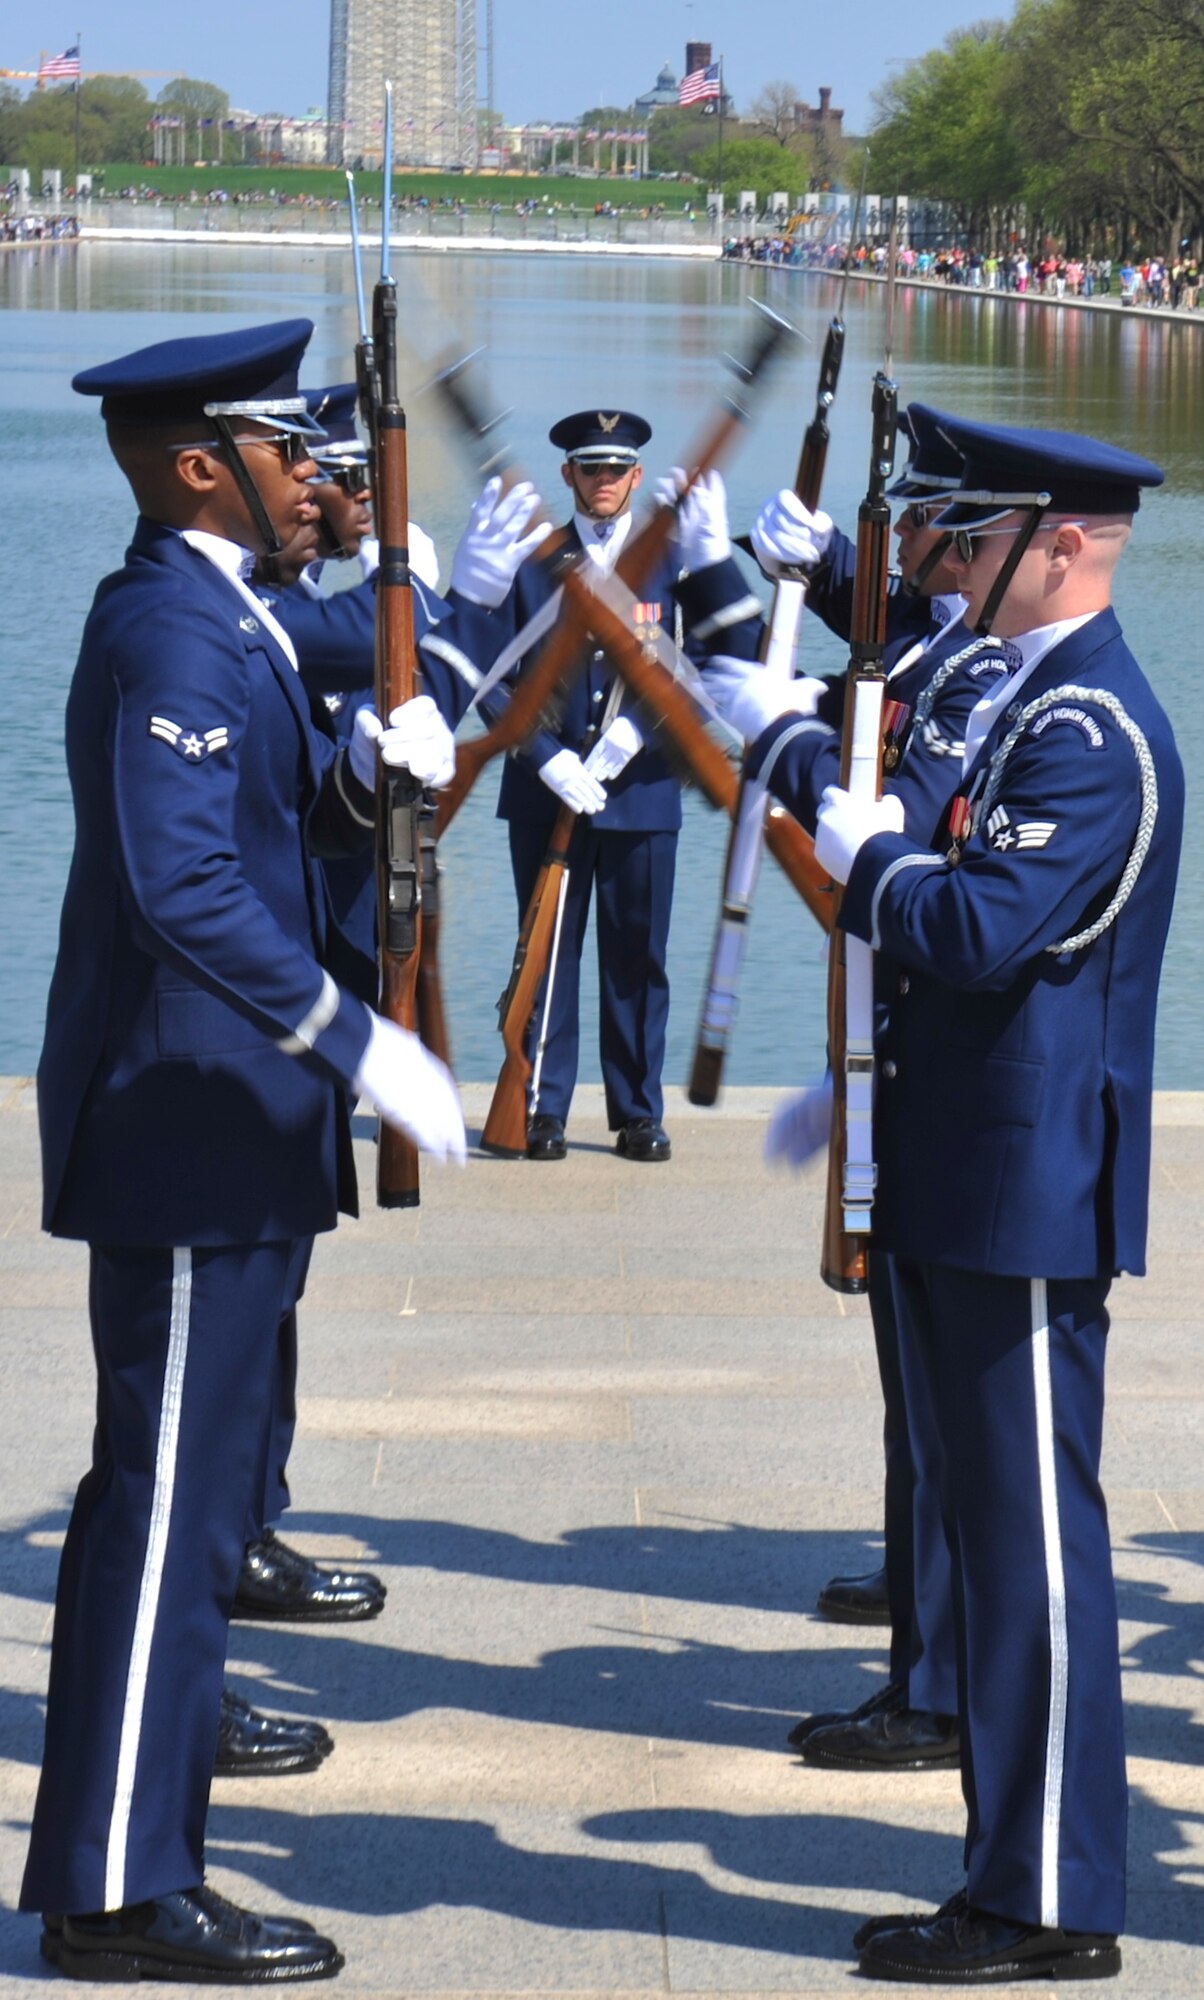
(625, 843)
(936, 675)
(1012, 1134)
(193, 1104)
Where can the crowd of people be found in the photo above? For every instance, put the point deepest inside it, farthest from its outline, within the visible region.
(38, 228)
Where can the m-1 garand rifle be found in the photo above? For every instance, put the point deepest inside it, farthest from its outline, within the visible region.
(535, 958)
(669, 688)
(563, 651)
(777, 654)
(403, 885)
(851, 1170)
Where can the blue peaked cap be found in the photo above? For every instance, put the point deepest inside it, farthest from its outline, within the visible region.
(172, 381)
(601, 434)
(1006, 468)
(934, 466)
(334, 409)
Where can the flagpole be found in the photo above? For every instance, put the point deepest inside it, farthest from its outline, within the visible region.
(721, 127)
(79, 86)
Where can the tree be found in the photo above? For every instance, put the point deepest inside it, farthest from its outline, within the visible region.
(677, 137)
(759, 164)
(773, 114)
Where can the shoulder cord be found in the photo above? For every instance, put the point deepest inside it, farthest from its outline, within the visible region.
(945, 672)
(1098, 698)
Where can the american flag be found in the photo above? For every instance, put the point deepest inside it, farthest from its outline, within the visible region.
(699, 85)
(56, 67)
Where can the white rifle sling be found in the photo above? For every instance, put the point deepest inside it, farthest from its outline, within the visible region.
(860, 1173)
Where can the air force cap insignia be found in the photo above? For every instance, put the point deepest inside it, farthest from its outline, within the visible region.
(193, 745)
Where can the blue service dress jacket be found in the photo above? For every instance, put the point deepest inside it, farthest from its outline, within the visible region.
(1012, 1124)
(190, 1019)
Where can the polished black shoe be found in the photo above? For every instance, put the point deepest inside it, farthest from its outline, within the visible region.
(907, 1920)
(194, 1935)
(643, 1139)
(973, 1948)
(855, 1600)
(545, 1137)
(50, 1944)
(905, 1739)
(278, 1582)
(251, 1745)
(887, 1701)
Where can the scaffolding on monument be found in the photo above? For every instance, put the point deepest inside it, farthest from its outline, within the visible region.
(429, 50)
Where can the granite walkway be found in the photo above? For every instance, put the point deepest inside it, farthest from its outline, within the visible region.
(605, 1432)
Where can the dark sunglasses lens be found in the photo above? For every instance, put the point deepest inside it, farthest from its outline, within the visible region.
(964, 544)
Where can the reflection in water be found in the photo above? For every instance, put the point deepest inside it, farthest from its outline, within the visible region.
(563, 333)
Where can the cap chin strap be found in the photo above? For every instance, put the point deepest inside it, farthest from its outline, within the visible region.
(272, 544)
(914, 585)
(1011, 562)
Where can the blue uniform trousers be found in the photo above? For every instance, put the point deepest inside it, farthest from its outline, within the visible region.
(185, 1344)
(1016, 1371)
(271, 1497)
(633, 875)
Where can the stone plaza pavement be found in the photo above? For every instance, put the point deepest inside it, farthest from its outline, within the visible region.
(604, 1432)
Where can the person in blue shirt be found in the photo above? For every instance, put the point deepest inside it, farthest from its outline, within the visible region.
(192, 1097)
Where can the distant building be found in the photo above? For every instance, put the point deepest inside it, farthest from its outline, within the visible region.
(698, 56)
(428, 48)
(664, 91)
(819, 121)
(295, 141)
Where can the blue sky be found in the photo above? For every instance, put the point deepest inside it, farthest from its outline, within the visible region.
(552, 59)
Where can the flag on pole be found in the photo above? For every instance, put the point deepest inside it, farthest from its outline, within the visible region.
(700, 85)
(55, 68)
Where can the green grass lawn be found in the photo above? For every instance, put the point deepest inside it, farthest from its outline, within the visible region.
(328, 183)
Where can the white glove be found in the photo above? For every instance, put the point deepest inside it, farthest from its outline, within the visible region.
(844, 824)
(493, 547)
(785, 535)
(424, 557)
(750, 696)
(614, 750)
(412, 1090)
(417, 740)
(800, 1126)
(702, 529)
(573, 782)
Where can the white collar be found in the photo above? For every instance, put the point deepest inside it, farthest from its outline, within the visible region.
(603, 548)
(230, 557)
(237, 563)
(1030, 648)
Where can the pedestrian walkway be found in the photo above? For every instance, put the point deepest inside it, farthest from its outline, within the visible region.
(605, 1433)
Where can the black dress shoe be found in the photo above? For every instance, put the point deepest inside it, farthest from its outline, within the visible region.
(50, 1944)
(545, 1137)
(251, 1745)
(887, 1701)
(277, 1582)
(643, 1139)
(193, 1935)
(855, 1600)
(903, 1740)
(974, 1948)
(907, 1920)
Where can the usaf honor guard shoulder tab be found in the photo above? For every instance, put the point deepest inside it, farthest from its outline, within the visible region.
(193, 745)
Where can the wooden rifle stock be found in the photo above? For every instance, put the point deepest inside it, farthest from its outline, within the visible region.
(563, 652)
(742, 862)
(506, 1126)
(653, 684)
(398, 794)
(843, 1261)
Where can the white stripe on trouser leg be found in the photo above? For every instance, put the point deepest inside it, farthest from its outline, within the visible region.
(152, 1576)
(1055, 1584)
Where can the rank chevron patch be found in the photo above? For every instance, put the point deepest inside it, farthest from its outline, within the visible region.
(192, 745)
(1003, 834)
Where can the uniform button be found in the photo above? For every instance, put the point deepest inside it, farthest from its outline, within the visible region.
(889, 1070)
(904, 983)
(598, 696)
